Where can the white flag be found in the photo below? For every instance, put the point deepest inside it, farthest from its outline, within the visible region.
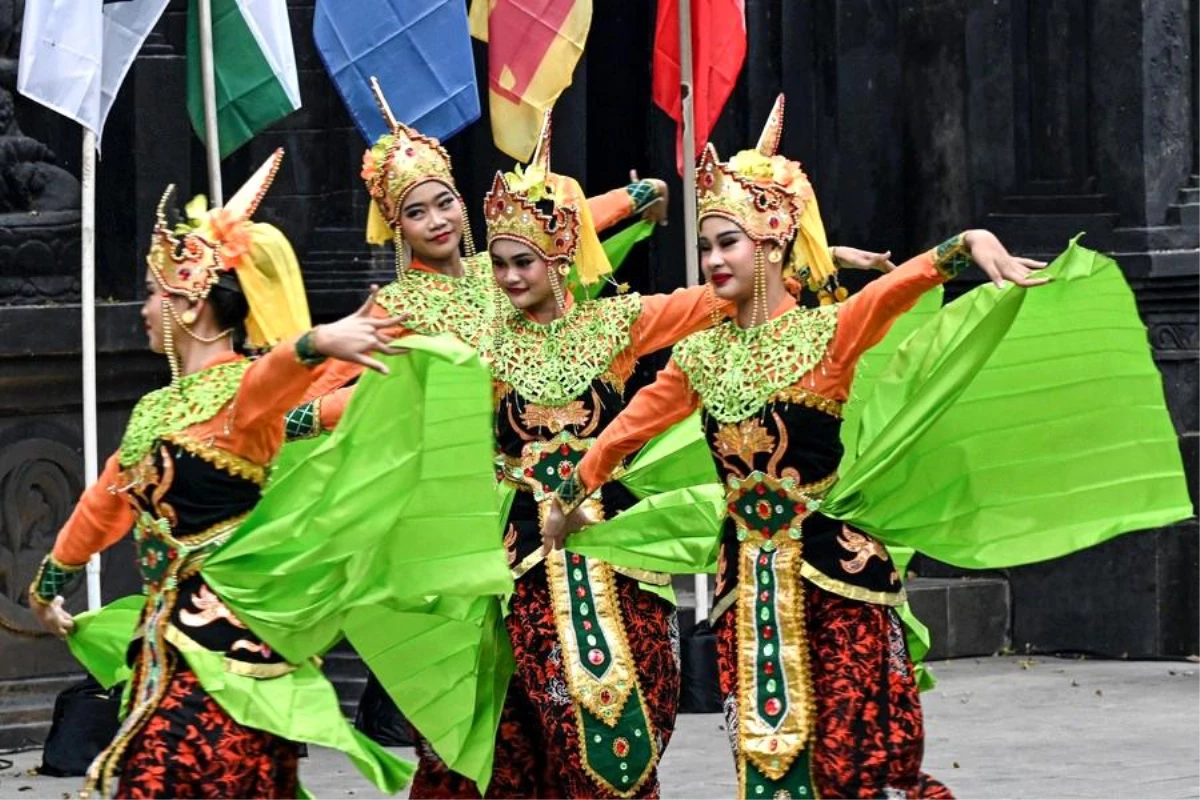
(74, 55)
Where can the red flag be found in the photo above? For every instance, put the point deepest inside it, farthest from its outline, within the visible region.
(718, 50)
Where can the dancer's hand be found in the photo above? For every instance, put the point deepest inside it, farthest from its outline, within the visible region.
(656, 212)
(52, 616)
(354, 337)
(993, 258)
(854, 258)
(559, 525)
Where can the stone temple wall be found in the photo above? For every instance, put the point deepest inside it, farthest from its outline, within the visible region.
(1036, 118)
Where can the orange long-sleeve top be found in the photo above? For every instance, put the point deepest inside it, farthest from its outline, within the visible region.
(249, 426)
(332, 385)
(862, 321)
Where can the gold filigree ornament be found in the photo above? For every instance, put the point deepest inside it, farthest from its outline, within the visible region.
(549, 214)
(737, 370)
(744, 440)
(863, 547)
(770, 198)
(398, 162)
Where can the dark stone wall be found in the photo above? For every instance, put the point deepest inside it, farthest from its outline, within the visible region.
(938, 180)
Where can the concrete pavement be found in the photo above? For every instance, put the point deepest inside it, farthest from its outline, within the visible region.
(997, 728)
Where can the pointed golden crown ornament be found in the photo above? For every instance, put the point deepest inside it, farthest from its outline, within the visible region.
(401, 160)
(547, 212)
(771, 199)
(190, 256)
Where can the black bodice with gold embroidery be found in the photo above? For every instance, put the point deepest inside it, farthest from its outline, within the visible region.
(557, 386)
(777, 446)
(538, 446)
(775, 466)
(189, 498)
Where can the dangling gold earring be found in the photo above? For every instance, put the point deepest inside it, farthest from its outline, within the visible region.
(187, 318)
(468, 237)
(556, 283)
(713, 313)
(168, 329)
(760, 287)
(401, 255)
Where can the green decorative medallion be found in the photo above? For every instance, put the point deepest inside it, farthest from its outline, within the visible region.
(157, 551)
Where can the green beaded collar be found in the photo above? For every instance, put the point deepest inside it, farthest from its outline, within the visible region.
(193, 399)
(437, 303)
(736, 370)
(551, 365)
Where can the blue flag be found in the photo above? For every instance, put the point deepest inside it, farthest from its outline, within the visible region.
(419, 49)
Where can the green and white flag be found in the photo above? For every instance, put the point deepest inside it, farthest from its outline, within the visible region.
(254, 66)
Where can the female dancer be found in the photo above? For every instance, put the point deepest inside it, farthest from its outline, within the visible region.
(415, 203)
(820, 696)
(592, 704)
(212, 711)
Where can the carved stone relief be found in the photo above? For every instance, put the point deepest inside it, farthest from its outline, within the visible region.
(40, 480)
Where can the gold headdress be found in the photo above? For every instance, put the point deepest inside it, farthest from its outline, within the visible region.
(401, 160)
(771, 199)
(190, 257)
(549, 213)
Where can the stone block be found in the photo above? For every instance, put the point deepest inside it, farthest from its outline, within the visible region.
(1119, 599)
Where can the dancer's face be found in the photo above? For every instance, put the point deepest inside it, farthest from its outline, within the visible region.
(522, 274)
(727, 259)
(152, 311)
(431, 220)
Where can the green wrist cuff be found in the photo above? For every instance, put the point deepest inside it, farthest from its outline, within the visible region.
(952, 256)
(643, 194)
(52, 579)
(306, 350)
